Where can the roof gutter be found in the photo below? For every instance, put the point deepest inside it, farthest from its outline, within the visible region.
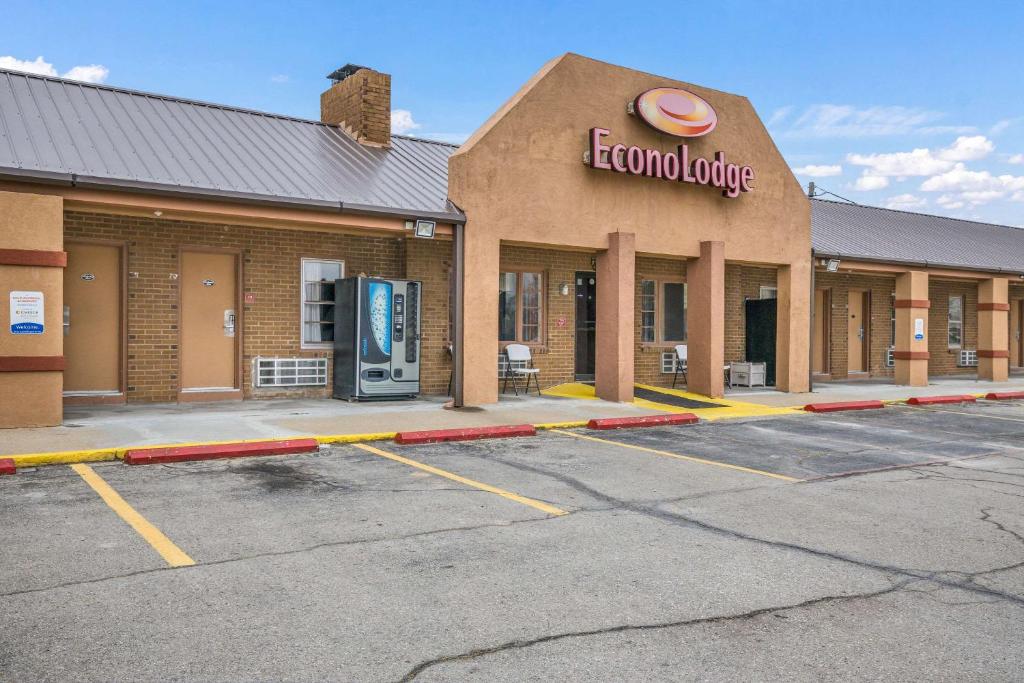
(919, 264)
(89, 182)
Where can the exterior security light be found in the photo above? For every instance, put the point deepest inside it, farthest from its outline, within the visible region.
(425, 229)
(564, 289)
(833, 265)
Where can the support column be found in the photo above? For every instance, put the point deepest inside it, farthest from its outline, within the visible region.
(616, 285)
(705, 325)
(911, 353)
(793, 327)
(479, 334)
(32, 261)
(993, 340)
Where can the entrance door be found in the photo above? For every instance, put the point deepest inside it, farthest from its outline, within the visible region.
(209, 324)
(857, 332)
(822, 309)
(92, 320)
(586, 325)
(760, 330)
(1016, 337)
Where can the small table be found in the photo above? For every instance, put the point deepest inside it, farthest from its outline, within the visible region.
(747, 374)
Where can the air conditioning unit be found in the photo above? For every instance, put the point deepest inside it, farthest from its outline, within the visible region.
(289, 372)
(968, 358)
(890, 357)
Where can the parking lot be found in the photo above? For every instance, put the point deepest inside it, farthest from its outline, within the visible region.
(870, 545)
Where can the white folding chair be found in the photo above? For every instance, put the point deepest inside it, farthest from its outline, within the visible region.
(520, 364)
(680, 364)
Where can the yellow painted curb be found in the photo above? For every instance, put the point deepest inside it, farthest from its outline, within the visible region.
(561, 425)
(65, 457)
(355, 438)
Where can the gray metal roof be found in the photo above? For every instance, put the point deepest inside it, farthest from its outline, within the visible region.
(67, 131)
(886, 235)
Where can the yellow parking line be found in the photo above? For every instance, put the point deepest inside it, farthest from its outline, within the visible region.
(171, 553)
(543, 507)
(677, 456)
(960, 412)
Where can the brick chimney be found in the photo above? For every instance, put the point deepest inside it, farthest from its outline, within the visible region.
(359, 100)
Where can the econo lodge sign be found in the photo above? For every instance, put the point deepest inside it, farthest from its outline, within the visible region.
(680, 113)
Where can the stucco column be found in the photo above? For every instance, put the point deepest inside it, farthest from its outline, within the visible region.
(480, 312)
(705, 324)
(616, 284)
(993, 346)
(793, 327)
(32, 260)
(911, 353)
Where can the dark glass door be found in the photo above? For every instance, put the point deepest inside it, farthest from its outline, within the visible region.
(760, 329)
(586, 325)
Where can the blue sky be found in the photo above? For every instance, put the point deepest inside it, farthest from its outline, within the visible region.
(915, 105)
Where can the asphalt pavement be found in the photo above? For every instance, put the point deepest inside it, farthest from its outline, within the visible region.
(885, 544)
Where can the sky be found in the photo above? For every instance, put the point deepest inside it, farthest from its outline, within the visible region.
(909, 105)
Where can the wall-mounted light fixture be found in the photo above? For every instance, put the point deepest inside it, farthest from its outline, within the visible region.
(425, 229)
(564, 288)
(158, 213)
(832, 265)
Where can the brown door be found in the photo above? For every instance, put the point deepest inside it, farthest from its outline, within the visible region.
(209, 323)
(857, 331)
(92, 301)
(821, 321)
(1016, 337)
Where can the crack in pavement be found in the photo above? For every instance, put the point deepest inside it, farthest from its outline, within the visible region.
(679, 519)
(751, 614)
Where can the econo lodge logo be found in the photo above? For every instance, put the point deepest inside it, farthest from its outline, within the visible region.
(676, 112)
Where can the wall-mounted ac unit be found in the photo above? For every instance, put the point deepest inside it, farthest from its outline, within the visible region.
(668, 362)
(968, 358)
(289, 372)
(890, 357)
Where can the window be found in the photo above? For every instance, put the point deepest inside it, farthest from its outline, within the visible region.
(768, 292)
(648, 289)
(662, 312)
(892, 321)
(520, 307)
(318, 278)
(955, 322)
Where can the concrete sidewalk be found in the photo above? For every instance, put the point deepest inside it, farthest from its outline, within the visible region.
(872, 389)
(100, 427)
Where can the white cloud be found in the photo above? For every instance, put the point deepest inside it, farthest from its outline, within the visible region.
(839, 120)
(962, 179)
(949, 202)
(39, 66)
(779, 115)
(454, 138)
(1017, 159)
(1000, 126)
(871, 182)
(91, 73)
(923, 161)
(815, 171)
(279, 78)
(402, 121)
(967, 148)
(905, 201)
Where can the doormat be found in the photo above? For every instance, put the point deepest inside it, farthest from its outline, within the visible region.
(673, 400)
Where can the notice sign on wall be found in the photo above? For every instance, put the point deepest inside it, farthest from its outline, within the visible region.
(918, 329)
(26, 312)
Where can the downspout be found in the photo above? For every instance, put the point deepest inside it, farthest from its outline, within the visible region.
(810, 347)
(458, 284)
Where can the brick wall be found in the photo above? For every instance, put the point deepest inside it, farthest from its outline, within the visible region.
(942, 359)
(430, 261)
(881, 291)
(556, 355)
(270, 271)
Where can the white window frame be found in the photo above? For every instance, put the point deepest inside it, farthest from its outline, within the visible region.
(767, 292)
(659, 310)
(303, 344)
(950, 322)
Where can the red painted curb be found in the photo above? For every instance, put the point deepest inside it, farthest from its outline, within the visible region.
(934, 400)
(643, 421)
(153, 456)
(7, 466)
(1004, 395)
(470, 434)
(842, 405)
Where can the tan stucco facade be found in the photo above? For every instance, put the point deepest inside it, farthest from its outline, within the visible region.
(521, 179)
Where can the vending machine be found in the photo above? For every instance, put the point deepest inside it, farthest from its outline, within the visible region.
(376, 338)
